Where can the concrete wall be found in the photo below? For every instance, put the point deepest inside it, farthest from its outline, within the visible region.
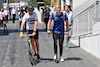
(81, 5)
(91, 44)
(78, 3)
(86, 15)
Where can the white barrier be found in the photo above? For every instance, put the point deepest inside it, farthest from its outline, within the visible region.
(39, 14)
(84, 22)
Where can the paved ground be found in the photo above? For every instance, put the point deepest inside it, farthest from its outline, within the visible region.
(14, 51)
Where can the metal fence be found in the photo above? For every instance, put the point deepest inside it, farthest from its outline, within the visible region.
(85, 21)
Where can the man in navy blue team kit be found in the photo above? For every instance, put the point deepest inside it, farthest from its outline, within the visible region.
(58, 30)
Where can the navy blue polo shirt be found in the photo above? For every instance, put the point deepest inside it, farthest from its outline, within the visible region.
(59, 22)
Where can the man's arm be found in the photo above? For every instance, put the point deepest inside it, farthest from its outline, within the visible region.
(67, 27)
(22, 25)
(35, 28)
(49, 23)
(21, 29)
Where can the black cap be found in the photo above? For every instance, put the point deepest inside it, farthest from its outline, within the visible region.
(30, 8)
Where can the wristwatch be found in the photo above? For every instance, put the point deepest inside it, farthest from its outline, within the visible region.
(34, 31)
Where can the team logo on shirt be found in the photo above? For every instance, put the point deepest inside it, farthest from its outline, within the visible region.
(55, 18)
(61, 16)
(31, 20)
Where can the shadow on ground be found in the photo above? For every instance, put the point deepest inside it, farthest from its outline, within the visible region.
(73, 58)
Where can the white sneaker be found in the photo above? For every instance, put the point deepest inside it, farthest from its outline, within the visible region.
(66, 47)
(65, 44)
(61, 59)
(54, 57)
(1, 27)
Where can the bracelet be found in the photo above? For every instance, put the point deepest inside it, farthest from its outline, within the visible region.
(21, 33)
(34, 31)
(21, 30)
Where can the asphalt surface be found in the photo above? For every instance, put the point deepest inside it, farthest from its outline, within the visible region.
(14, 51)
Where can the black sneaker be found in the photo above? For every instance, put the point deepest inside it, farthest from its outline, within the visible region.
(35, 54)
(38, 56)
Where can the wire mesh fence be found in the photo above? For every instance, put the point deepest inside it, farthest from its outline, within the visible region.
(85, 21)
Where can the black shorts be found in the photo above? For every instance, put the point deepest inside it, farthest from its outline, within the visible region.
(36, 36)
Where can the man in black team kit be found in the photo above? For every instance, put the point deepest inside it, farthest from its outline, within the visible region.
(47, 12)
(58, 30)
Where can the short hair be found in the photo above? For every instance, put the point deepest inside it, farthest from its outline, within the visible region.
(58, 7)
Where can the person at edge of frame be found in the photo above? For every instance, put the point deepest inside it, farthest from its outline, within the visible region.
(68, 11)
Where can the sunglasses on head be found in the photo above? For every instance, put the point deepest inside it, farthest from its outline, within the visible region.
(30, 10)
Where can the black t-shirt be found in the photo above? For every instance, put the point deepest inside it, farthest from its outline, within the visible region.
(22, 13)
(47, 12)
